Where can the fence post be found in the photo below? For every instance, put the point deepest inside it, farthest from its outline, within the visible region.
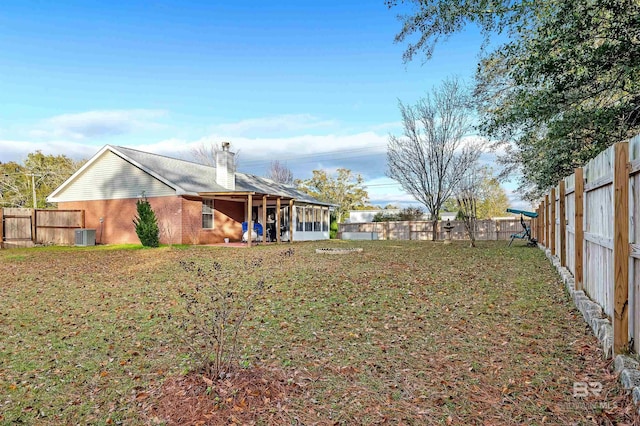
(579, 225)
(552, 221)
(1, 228)
(621, 248)
(540, 220)
(563, 225)
(546, 220)
(34, 225)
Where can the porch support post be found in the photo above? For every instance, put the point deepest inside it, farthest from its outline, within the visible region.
(278, 220)
(264, 218)
(249, 217)
(291, 220)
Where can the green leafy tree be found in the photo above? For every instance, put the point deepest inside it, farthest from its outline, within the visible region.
(385, 217)
(345, 190)
(408, 213)
(146, 224)
(411, 213)
(492, 199)
(42, 172)
(564, 86)
(450, 205)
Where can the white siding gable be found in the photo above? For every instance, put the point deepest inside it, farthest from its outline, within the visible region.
(111, 177)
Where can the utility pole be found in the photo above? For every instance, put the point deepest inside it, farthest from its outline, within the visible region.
(33, 187)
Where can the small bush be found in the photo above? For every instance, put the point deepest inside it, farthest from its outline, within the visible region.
(385, 217)
(214, 316)
(146, 224)
(333, 228)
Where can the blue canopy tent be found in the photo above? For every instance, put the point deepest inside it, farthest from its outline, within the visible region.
(527, 229)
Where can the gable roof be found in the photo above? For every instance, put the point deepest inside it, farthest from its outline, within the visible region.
(189, 178)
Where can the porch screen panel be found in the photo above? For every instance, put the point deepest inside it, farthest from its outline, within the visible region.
(308, 219)
(325, 220)
(299, 218)
(317, 219)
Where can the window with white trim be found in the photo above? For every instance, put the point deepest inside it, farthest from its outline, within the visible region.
(207, 214)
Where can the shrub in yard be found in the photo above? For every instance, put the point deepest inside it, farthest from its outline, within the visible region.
(385, 217)
(333, 227)
(146, 224)
(215, 314)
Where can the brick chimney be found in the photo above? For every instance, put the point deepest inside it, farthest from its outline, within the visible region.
(225, 167)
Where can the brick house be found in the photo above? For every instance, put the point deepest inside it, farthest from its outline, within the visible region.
(194, 203)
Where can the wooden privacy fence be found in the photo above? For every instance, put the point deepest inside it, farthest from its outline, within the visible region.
(422, 230)
(590, 222)
(26, 227)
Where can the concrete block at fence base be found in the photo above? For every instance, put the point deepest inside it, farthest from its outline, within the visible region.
(565, 274)
(597, 324)
(635, 394)
(578, 298)
(623, 362)
(570, 290)
(590, 310)
(605, 335)
(630, 378)
(571, 284)
(592, 315)
(578, 295)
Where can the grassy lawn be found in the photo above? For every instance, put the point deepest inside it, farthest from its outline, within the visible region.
(401, 333)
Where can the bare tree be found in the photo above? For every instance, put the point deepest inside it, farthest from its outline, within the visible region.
(467, 200)
(206, 154)
(280, 173)
(431, 158)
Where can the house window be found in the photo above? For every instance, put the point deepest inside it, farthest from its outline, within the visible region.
(207, 214)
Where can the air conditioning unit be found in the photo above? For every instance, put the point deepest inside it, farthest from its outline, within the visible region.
(85, 237)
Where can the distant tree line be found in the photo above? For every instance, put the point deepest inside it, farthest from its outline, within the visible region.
(38, 173)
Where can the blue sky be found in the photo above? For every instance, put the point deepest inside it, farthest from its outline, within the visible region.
(313, 84)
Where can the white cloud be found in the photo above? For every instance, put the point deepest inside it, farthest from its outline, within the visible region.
(96, 124)
(12, 150)
(279, 124)
(304, 150)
